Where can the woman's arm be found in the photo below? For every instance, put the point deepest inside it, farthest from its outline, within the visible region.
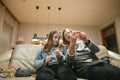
(93, 47)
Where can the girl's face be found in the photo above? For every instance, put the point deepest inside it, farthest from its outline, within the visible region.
(67, 34)
(56, 38)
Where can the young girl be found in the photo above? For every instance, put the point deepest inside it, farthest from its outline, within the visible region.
(48, 58)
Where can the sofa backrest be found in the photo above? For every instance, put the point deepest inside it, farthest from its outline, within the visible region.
(23, 56)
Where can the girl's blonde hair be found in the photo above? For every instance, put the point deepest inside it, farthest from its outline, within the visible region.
(49, 43)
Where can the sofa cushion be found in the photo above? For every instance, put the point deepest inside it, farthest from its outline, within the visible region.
(23, 56)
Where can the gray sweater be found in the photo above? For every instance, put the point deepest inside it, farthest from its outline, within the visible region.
(83, 53)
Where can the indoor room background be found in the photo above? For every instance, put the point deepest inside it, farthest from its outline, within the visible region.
(11, 29)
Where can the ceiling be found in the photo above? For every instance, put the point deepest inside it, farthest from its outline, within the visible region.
(74, 12)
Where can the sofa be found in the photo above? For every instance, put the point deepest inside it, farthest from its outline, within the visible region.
(23, 57)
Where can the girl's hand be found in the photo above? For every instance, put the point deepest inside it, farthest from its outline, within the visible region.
(58, 55)
(48, 58)
(57, 52)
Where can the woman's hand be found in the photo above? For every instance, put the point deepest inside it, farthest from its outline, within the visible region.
(73, 37)
(82, 36)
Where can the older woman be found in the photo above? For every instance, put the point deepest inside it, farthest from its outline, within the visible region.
(80, 55)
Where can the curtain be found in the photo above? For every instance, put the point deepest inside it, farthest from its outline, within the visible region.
(2, 11)
(8, 29)
(5, 43)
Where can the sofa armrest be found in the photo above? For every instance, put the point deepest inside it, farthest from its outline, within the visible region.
(115, 58)
(113, 55)
(5, 59)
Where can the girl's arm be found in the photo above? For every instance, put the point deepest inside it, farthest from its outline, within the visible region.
(39, 60)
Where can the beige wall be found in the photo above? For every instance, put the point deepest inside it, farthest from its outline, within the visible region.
(27, 31)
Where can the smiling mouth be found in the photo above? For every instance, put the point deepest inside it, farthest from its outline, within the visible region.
(57, 42)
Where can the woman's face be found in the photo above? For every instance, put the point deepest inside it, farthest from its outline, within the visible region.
(56, 38)
(67, 34)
